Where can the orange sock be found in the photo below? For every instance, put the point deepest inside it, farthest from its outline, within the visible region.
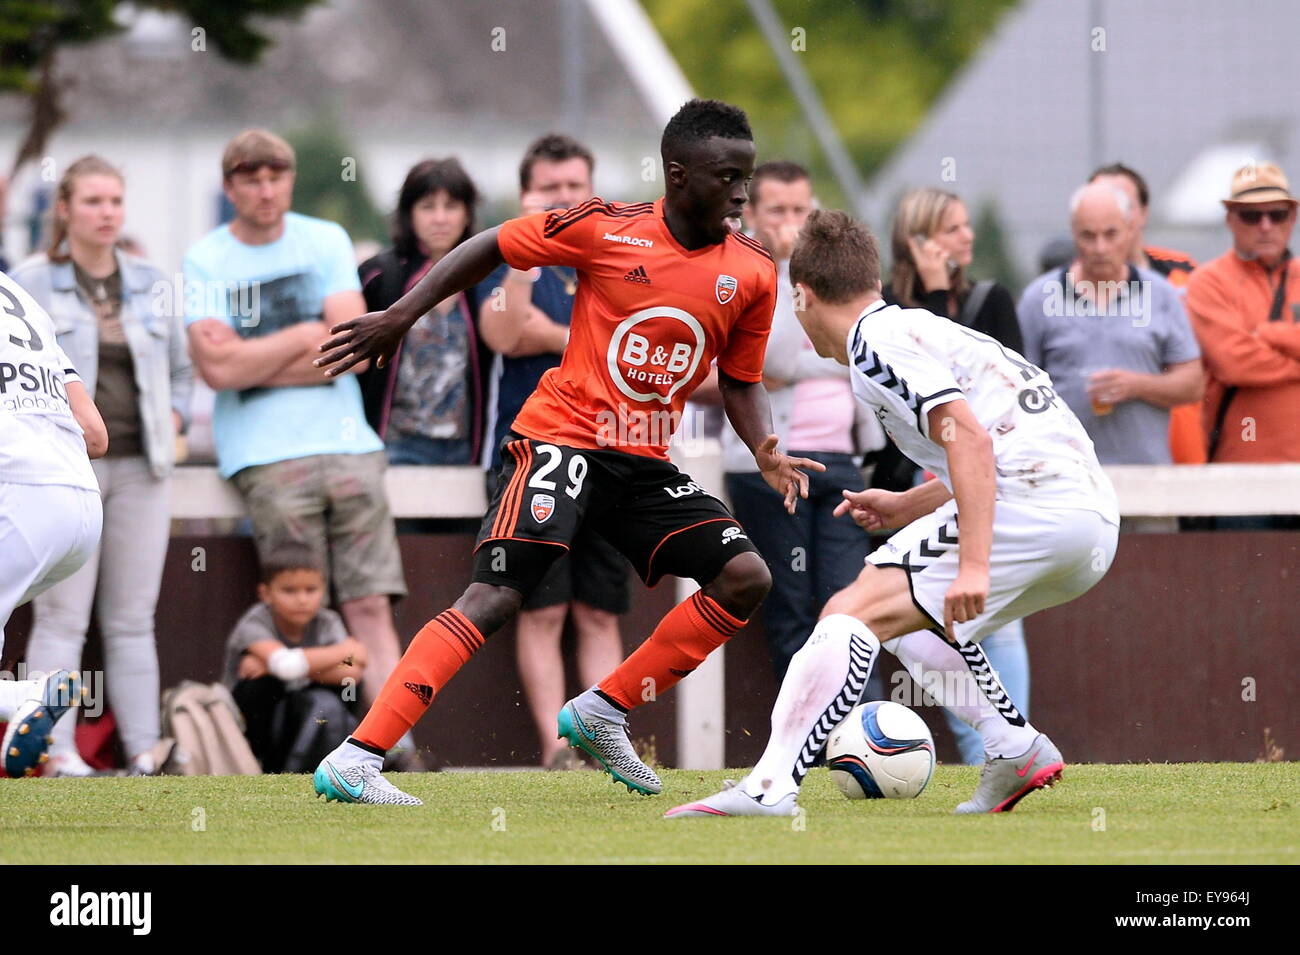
(442, 647)
(690, 632)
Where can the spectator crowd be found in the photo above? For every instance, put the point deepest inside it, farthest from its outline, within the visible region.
(1163, 360)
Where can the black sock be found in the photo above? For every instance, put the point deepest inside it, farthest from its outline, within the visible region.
(367, 747)
(614, 703)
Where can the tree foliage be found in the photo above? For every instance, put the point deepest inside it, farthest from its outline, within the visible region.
(330, 183)
(993, 259)
(32, 32)
(878, 65)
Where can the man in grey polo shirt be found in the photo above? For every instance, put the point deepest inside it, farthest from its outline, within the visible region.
(1114, 337)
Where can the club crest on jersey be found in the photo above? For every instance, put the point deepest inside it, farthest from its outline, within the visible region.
(725, 289)
(543, 507)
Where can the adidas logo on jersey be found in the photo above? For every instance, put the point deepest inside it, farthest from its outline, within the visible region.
(637, 275)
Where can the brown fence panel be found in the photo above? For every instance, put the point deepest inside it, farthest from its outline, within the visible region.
(1189, 649)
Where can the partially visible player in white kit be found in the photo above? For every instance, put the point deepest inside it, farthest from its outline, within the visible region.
(50, 514)
(1039, 524)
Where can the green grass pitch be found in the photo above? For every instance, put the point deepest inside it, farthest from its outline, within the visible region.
(1185, 813)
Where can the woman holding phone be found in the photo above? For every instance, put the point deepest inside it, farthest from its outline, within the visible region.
(933, 245)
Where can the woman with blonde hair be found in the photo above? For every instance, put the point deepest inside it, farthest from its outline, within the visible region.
(933, 243)
(111, 318)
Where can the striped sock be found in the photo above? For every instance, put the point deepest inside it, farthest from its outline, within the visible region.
(961, 679)
(441, 648)
(825, 680)
(685, 636)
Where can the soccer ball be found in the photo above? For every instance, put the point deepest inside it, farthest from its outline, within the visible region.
(881, 751)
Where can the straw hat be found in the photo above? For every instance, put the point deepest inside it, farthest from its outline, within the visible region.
(1262, 182)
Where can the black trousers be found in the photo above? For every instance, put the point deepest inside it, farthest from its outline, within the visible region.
(290, 731)
(812, 554)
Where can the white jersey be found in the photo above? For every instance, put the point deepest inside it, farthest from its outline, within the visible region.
(904, 362)
(40, 440)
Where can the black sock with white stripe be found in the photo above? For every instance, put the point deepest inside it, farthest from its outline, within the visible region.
(825, 680)
(963, 680)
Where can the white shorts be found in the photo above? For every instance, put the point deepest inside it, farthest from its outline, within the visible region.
(46, 533)
(1041, 557)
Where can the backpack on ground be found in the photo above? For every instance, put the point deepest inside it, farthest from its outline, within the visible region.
(209, 732)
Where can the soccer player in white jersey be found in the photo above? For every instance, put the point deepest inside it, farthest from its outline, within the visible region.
(50, 512)
(1038, 527)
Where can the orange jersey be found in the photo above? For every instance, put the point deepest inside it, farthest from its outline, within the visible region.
(1186, 435)
(1176, 267)
(649, 317)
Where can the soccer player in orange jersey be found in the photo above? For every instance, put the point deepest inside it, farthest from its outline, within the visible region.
(664, 289)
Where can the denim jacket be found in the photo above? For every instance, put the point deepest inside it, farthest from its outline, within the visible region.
(155, 336)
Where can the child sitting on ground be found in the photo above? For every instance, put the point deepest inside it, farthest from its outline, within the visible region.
(292, 667)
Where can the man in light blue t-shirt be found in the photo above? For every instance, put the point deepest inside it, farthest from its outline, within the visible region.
(260, 295)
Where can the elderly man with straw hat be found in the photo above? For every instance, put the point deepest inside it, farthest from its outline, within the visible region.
(1245, 309)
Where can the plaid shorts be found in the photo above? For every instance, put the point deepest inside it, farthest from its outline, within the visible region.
(336, 504)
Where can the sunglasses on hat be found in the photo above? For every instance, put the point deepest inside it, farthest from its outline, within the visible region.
(1253, 216)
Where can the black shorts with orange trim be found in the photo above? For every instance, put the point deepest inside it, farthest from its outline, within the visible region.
(656, 516)
(591, 571)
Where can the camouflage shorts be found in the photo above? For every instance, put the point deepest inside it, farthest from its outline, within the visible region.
(337, 505)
